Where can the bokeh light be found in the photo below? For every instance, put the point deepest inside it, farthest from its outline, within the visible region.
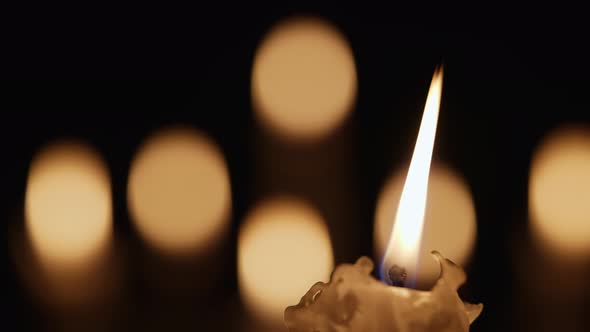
(449, 222)
(179, 192)
(559, 192)
(68, 204)
(304, 79)
(283, 249)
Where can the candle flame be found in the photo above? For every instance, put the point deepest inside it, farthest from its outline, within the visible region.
(404, 243)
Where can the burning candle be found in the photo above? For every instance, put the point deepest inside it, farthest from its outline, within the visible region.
(67, 259)
(355, 301)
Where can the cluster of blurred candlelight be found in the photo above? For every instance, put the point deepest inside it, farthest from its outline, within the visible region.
(179, 194)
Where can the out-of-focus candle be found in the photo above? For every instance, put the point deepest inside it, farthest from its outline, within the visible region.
(179, 192)
(559, 193)
(283, 247)
(303, 79)
(68, 204)
(355, 301)
(559, 224)
(69, 221)
(179, 201)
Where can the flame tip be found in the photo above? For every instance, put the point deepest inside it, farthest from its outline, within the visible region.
(439, 71)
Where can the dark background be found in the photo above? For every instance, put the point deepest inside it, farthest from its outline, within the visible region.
(511, 75)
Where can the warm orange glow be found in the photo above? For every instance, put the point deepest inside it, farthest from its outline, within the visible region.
(179, 191)
(449, 221)
(559, 192)
(68, 205)
(283, 248)
(404, 244)
(303, 79)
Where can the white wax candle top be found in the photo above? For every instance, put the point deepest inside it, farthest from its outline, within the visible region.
(354, 301)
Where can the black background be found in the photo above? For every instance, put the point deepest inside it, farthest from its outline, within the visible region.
(111, 76)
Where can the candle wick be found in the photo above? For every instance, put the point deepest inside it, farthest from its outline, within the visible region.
(397, 275)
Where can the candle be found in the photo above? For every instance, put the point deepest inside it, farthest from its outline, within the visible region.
(179, 202)
(558, 212)
(179, 193)
(274, 229)
(66, 255)
(304, 80)
(558, 194)
(355, 301)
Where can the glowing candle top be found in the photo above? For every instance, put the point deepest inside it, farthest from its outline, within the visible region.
(401, 256)
(354, 301)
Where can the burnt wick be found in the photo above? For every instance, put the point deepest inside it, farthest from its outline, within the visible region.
(397, 276)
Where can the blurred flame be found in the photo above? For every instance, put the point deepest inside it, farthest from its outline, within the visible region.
(69, 223)
(283, 249)
(303, 79)
(179, 191)
(68, 205)
(404, 244)
(559, 192)
(449, 221)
